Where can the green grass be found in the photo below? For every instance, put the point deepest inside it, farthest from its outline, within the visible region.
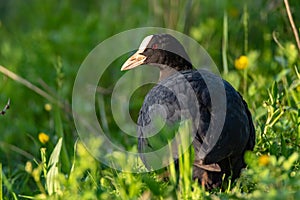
(44, 42)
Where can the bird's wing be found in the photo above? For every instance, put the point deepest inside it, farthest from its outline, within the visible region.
(225, 126)
(237, 131)
(165, 106)
(187, 96)
(156, 125)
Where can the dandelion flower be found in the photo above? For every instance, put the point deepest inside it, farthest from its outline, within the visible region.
(48, 107)
(241, 62)
(264, 160)
(28, 167)
(43, 138)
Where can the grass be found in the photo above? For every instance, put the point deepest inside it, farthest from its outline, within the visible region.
(43, 46)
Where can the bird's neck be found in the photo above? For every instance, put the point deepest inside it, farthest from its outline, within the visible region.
(166, 71)
(171, 64)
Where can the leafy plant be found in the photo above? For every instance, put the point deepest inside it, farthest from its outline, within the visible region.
(43, 44)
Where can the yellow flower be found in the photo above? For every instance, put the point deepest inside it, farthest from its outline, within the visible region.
(241, 62)
(264, 160)
(43, 137)
(48, 107)
(298, 88)
(28, 167)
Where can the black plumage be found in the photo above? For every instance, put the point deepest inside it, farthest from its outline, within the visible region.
(186, 93)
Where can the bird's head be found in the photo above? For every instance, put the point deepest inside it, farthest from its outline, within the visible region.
(161, 50)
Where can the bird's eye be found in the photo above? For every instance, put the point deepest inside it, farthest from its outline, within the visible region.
(154, 46)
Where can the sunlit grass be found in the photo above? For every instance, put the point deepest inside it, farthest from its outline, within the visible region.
(41, 156)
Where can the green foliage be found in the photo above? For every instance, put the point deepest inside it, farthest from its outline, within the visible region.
(45, 42)
(272, 178)
(51, 177)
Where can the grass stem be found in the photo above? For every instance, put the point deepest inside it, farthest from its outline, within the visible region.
(225, 43)
(245, 25)
(295, 31)
(26, 83)
(60, 133)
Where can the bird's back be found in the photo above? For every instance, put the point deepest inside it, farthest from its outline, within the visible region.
(189, 94)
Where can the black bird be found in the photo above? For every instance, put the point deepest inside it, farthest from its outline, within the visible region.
(215, 154)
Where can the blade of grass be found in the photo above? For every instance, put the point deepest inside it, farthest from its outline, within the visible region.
(172, 170)
(188, 15)
(74, 157)
(185, 167)
(245, 25)
(225, 43)
(103, 114)
(9, 187)
(60, 133)
(44, 161)
(16, 149)
(26, 83)
(52, 175)
(295, 31)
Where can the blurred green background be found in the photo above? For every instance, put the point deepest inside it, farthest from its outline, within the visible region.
(46, 41)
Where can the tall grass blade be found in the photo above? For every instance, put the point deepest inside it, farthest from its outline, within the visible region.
(225, 43)
(103, 117)
(185, 166)
(293, 26)
(60, 133)
(52, 175)
(26, 83)
(8, 186)
(245, 26)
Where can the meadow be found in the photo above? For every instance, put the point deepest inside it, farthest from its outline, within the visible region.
(255, 45)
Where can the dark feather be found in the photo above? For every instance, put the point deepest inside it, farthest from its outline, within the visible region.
(237, 134)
